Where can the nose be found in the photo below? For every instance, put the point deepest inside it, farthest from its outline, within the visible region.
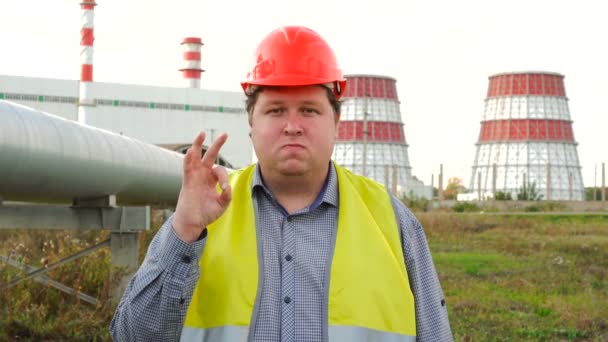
(293, 125)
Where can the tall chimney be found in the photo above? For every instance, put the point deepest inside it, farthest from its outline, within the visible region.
(87, 38)
(192, 61)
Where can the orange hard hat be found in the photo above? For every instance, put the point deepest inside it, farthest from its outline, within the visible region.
(294, 56)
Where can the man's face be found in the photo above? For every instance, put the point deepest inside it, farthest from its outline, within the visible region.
(293, 129)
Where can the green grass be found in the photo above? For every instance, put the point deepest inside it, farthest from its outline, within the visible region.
(522, 277)
(514, 277)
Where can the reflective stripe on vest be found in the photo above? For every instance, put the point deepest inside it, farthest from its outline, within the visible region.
(218, 334)
(369, 293)
(239, 334)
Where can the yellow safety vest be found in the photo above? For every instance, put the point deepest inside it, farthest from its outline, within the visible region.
(369, 293)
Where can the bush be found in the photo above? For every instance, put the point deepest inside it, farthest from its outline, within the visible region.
(533, 208)
(529, 193)
(503, 196)
(416, 203)
(461, 207)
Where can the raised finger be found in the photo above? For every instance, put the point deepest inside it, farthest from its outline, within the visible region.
(211, 155)
(194, 152)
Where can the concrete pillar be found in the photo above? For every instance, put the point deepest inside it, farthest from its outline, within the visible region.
(124, 247)
(479, 186)
(603, 182)
(570, 186)
(386, 172)
(548, 181)
(494, 176)
(595, 182)
(365, 132)
(526, 187)
(395, 180)
(440, 185)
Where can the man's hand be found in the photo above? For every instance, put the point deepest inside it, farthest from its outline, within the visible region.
(199, 204)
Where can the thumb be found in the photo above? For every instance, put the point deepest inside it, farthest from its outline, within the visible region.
(222, 179)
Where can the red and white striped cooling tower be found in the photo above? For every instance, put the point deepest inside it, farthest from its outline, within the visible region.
(370, 138)
(526, 139)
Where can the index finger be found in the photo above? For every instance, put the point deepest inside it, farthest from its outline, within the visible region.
(197, 146)
(211, 155)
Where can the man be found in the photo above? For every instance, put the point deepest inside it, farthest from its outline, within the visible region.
(293, 248)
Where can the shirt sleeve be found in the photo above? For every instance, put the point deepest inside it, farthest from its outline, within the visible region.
(154, 305)
(432, 322)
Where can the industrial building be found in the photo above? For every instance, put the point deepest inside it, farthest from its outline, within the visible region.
(164, 116)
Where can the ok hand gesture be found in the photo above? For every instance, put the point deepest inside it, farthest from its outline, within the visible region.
(199, 204)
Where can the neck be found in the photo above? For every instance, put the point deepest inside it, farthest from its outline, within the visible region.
(295, 192)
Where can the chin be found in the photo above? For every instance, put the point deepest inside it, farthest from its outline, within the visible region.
(292, 168)
(292, 171)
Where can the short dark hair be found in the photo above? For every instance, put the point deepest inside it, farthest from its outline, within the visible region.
(252, 99)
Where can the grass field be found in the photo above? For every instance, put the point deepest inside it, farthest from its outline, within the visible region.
(522, 277)
(505, 277)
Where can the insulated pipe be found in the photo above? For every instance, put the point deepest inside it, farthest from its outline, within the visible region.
(87, 38)
(46, 158)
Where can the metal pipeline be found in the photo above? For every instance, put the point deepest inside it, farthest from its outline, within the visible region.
(46, 158)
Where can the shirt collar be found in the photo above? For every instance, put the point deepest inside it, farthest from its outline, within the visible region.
(328, 194)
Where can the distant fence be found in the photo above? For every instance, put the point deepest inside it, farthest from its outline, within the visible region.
(565, 206)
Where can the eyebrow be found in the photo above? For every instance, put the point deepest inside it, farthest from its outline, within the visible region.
(311, 103)
(280, 102)
(275, 102)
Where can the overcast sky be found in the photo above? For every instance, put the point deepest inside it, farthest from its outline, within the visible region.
(440, 52)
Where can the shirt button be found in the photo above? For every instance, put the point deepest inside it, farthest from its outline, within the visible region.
(288, 257)
(287, 300)
(186, 259)
(182, 300)
(289, 219)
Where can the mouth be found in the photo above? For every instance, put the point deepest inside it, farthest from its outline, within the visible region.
(292, 147)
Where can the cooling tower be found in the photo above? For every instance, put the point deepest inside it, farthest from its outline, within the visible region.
(370, 138)
(526, 139)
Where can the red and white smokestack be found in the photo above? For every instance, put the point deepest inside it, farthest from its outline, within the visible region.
(87, 37)
(192, 61)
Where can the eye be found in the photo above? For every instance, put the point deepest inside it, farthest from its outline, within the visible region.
(309, 111)
(275, 111)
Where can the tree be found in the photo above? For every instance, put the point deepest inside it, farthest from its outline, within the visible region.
(503, 196)
(453, 188)
(529, 193)
(594, 194)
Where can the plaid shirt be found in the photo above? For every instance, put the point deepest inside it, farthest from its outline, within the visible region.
(296, 251)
